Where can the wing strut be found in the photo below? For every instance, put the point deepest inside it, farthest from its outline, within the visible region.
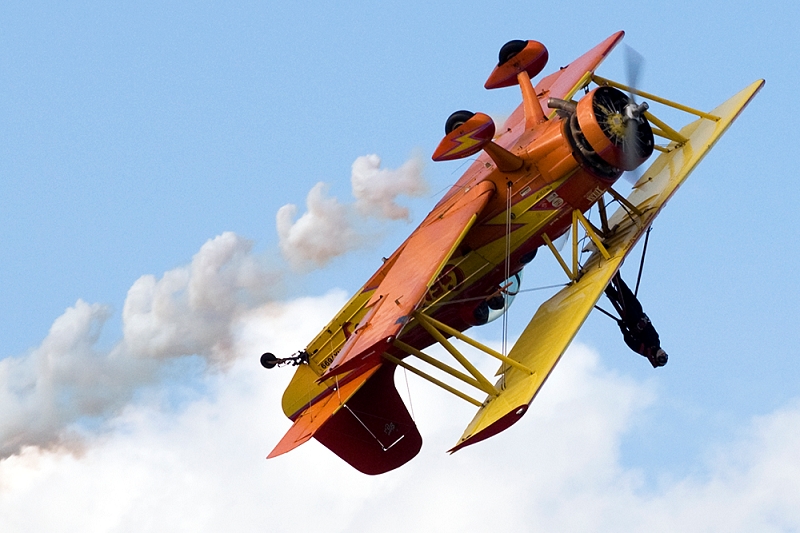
(432, 379)
(592, 232)
(475, 344)
(649, 96)
(474, 377)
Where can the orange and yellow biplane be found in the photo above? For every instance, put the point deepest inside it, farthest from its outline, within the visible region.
(558, 155)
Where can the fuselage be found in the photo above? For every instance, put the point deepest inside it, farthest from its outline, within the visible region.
(535, 201)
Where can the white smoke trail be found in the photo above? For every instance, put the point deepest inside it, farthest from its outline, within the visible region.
(48, 395)
(328, 228)
(376, 189)
(323, 232)
(190, 311)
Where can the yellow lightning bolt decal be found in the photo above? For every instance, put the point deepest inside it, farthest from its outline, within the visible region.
(465, 142)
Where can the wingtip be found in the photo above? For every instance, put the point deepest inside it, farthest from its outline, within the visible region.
(289, 442)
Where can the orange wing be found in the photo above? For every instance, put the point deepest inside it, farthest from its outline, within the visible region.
(561, 83)
(418, 264)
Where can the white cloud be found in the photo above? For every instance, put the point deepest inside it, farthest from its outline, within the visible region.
(328, 228)
(202, 468)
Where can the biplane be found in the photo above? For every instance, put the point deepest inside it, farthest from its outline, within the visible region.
(533, 180)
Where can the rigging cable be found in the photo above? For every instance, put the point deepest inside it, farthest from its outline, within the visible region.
(518, 291)
(408, 390)
(382, 445)
(507, 272)
(641, 263)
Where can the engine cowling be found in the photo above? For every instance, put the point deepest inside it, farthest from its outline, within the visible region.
(610, 132)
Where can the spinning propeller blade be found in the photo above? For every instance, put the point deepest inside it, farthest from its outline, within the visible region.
(634, 63)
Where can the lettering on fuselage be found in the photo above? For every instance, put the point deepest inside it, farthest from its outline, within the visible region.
(548, 203)
(328, 360)
(594, 194)
(555, 200)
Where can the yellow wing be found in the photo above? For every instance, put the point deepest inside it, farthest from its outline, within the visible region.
(557, 321)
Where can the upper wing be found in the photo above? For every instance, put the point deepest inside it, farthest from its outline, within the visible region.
(403, 288)
(565, 82)
(557, 321)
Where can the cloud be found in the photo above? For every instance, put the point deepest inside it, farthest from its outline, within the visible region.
(328, 228)
(202, 468)
(67, 382)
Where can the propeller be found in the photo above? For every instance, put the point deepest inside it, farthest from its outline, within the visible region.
(634, 63)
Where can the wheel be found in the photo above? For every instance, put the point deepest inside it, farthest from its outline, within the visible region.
(510, 49)
(496, 302)
(457, 119)
(481, 314)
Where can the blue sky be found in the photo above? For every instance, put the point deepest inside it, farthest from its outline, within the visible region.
(134, 134)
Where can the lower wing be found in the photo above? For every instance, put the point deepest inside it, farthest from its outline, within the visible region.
(557, 321)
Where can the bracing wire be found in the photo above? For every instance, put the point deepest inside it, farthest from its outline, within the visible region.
(408, 391)
(641, 263)
(518, 291)
(507, 268)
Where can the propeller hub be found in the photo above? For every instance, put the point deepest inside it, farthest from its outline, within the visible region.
(616, 124)
(635, 112)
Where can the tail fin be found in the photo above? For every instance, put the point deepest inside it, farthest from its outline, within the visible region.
(365, 423)
(375, 433)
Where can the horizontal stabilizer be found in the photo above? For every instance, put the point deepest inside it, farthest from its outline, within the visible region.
(312, 419)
